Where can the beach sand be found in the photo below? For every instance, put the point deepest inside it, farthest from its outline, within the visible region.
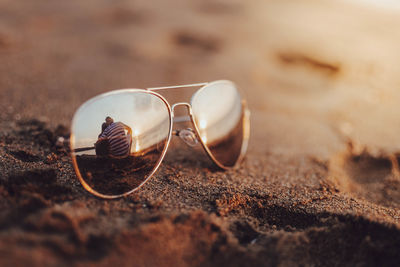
(320, 184)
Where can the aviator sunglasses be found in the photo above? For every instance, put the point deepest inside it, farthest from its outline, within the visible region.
(119, 139)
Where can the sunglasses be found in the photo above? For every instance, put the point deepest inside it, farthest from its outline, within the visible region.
(119, 139)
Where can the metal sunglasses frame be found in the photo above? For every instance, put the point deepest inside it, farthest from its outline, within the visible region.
(152, 91)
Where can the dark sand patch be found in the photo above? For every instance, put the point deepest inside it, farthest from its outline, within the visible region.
(310, 62)
(223, 217)
(374, 178)
(196, 41)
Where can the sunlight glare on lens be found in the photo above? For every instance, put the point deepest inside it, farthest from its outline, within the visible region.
(137, 145)
(203, 124)
(204, 138)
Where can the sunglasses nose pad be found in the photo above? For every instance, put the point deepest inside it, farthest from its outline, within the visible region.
(188, 136)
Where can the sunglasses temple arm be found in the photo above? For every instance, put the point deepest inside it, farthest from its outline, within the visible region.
(64, 144)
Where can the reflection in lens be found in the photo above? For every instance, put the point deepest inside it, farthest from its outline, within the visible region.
(219, 116)
(118, 140)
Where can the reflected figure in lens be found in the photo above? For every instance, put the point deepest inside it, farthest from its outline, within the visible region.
(115, 140)
(103, 127)
(121, 155)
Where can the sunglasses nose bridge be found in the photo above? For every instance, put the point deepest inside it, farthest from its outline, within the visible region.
(184, 104)
(188, 135)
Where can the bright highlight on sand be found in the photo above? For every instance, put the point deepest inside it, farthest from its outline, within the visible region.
(390, 4)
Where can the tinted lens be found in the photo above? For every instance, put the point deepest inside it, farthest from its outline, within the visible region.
(220, 119)
(118, 140)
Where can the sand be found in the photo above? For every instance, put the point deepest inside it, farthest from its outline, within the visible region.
(320, 184)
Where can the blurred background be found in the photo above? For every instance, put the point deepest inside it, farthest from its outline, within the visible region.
(317, 73)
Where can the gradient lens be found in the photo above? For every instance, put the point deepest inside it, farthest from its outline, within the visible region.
(118, 140)
(220, 119)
